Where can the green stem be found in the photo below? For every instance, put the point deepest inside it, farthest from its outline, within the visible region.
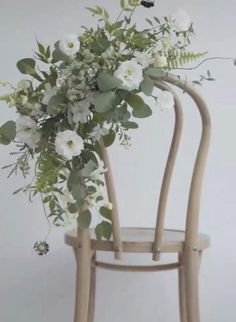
(120, 14)
(202, 62)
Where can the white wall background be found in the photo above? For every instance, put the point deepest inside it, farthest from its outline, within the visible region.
(41, 289)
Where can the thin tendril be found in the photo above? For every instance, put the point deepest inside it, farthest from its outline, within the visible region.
(202, 62)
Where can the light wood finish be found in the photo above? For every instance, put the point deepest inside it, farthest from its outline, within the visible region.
(168, 171)
(112, 198)
(92, 295)
(182, 290)
(188, 244)
(140, 268)
(83, 263)
(140, 240)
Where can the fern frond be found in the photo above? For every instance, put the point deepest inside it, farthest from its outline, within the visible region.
(180, 58)
(7, 98)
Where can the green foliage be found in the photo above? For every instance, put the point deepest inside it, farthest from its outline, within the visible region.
(44, 53)
(100, 45)
(7, 98)
(27, 66)
(57, 55)
(105, 212)
(180, 58)
(105, 101)
(155, 72)
(147, 86)
(109, 138)
(107, 82)
(129, 5)
(103, 230)
(99, 11)
(143, 112)
(56, 105)
(7, 132)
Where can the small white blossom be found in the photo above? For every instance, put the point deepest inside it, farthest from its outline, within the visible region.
(68, 144)
(23, 86)
(27, 131)
(165, 100)
(49, 93)
(67, 197)
(131, 74)
(160, 61)
(98, 132)
(98, 172)
(80, 112)
(181, 20)
(109, 53)
(108, 205)
(69, 45)
(144, 59)
(24, 99)
(35, 109)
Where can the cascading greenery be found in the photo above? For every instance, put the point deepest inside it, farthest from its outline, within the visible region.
(84, 93)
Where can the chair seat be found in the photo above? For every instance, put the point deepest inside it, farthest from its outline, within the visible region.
(140, 240)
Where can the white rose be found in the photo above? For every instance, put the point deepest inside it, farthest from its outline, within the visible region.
(165, 100)
(181, 20)
(144, 59)
(68, 144)
(160, 60)
(69, 45)
(27, 131)
(131, 75)
(49, 93)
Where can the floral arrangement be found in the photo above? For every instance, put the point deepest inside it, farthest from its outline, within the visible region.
(84, 93)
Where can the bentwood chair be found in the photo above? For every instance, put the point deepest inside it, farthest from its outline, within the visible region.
(187, 244)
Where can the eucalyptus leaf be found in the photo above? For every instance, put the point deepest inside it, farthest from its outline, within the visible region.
(88, 168)
(7, 132)
(84, 219)
(143, 112)
(57, 54)
(99, 232)
(108, 82)
(101, 45)
(56, 105)
(135, 101)
(147, 86)
(105, 101)
(130, 125)
(105, 212)
(106, 230)
(26, 66)
(109, 138)
(155, 72)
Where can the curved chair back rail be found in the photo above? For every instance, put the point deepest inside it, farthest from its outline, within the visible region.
(192, 218)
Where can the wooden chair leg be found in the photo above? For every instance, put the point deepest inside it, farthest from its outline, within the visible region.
(182, 293)
(83, 263)
(92, 290)
(191, 264)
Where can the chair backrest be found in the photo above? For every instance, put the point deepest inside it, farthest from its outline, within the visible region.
(192, 218)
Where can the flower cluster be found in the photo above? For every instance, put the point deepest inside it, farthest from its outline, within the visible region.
(87, 95)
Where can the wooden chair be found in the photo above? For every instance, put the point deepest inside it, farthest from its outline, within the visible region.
(187, 244)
